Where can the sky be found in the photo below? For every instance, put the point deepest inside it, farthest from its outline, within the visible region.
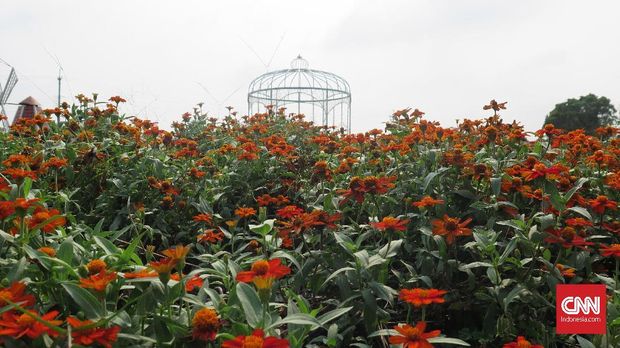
(447, 58)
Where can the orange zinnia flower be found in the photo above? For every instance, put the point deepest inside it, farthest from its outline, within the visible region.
(211, 236)
(390, 223)
(565, 271)
(521, 342)
(451, 228)
(191, 283)
(422, 297)
(88, 337)
(205, 324)
(49, 251)
(163, 266)
(143, 273)
(18, 173)
(601, 203)
(413, 336)
(244, 212)
(98, 281)
(263, 273)
(15, 294)
(206, 218)
(96, 266)
(427, 201)
(256, 340)
(16, 324)
(42, 215)
(612, 250)
(177, 253)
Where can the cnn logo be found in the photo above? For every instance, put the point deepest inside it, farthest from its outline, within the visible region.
(575, 305)
(581, 309)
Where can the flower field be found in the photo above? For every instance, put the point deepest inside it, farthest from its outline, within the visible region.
(268, 231)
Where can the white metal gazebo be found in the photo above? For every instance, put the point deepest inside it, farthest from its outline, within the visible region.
(317, 94)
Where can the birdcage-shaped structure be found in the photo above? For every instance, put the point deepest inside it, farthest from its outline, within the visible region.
(319, 95)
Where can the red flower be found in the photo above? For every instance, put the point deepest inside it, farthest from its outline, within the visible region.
(578, 222)
(427, 201)
(413, 336)
(17, 324)
(390, 224)
(88, 337)
(451, 228)
(601, 203)
(15, 294)
(256, 340)
(521, 342)
(263, 273)
(422, 297)
(289, 211)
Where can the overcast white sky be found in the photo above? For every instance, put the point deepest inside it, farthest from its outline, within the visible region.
(447, 58)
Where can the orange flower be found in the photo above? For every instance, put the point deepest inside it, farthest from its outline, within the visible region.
(205, 324)
(390, 223)
(211, 236)
(601, 203)
(427, 201)
(521, 342)
(41, 215)
(177, 253)
(263, 273)
(421, 297)
(143, 273)
(191, 283)
(565, 271)
(98, 281)
(16, 324)
(15, 294)
(18, 173)
(244, 212)
(206, 218)
(163, 266)
(413, 336)
(451, 228)
(96, 266)
(51, 252)
(256, 340)
(612, 250)
(88, 337)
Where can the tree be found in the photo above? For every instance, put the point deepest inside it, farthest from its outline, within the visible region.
(588, 112)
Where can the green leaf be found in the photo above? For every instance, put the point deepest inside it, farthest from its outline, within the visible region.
(581, 211)
(251, 304)
(336, 273)
(87, 302)
(264, 228)
(296, 319)
(448, 340)
(572, 191)
(584, 343)
(496, 185)
(331, 315)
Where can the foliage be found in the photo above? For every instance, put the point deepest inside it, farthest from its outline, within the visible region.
(588, 112)
(268, 230)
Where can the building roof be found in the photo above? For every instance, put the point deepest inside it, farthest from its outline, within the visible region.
(30, 101)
